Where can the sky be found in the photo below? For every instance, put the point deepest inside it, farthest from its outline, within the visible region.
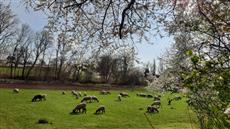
(37, 20)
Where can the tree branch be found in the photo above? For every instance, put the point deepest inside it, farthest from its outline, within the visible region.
(76, 4)
(110, 2)
(123, 16)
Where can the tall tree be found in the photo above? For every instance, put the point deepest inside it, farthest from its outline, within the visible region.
(22, 38)
(27, 53)
(41, 43)
(8, 24)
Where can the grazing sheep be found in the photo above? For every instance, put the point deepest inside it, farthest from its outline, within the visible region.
(156, 98)
(152, 109)
(141, 94)
(156, 103)
(119, 97)
(94, 98)
(74, 93)
(90, 98)
(159, 96)
(101, 110)
(16, 90)
(104, 92)
(86, 98)
(227, 111)
(149, 96)
(39, 97)
(79, 107)
(63, 92)
(124, 94)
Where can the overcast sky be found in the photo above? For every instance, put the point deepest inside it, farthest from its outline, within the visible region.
(37, 20)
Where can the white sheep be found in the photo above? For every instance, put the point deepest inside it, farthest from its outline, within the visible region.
(16, 90)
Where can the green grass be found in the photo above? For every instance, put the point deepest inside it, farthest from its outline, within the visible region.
(18, 112)
(6, 70)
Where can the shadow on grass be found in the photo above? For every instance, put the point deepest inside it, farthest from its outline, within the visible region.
(99, 113)
(43, 121)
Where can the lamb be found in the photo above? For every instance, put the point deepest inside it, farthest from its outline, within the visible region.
(152, 109)
(156, 103)
(101, 109)
(63, 92)
(149, 96)
(39, 97)
(79, 107)
(74, 93)
(227, 111)
(141, 94)
(104, 92)
(16, 90)
(157, 98)
(124, 94)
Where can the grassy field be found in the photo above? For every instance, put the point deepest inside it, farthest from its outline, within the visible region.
(6, 70)
(18, 112)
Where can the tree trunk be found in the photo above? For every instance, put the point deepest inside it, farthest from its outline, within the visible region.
(11, 70)
(29, 71)
(60, 70)
(23, 70)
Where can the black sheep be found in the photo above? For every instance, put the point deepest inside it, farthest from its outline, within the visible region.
(101, 109)
(39, 97)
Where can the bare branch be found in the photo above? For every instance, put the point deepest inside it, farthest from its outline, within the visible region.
(76, 4)
(123, 17)
(110, 2)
